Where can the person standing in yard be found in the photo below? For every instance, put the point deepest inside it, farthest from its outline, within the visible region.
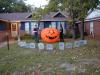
(61, 34)
(36, 35)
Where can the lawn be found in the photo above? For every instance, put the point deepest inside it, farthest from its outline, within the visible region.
(77, 61)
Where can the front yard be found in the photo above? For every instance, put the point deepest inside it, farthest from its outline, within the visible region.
(77, 61)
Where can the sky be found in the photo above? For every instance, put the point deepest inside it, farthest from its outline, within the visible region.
(37, 3)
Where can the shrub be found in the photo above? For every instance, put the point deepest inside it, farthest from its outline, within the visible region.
(27, 37)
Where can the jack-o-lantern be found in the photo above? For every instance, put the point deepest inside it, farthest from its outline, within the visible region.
(50, 35)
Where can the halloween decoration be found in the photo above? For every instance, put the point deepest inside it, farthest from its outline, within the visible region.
(50, 35)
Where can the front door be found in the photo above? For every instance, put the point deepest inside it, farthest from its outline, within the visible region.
(14, 29)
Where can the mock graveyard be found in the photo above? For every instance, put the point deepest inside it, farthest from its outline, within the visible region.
(50, 56)
(61, 58)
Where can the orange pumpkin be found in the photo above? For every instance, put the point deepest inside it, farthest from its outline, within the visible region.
(50, 35)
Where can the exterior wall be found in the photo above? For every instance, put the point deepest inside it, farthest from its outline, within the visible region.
(3, 32)
(87, 27)
(96, 24)
(97, 29)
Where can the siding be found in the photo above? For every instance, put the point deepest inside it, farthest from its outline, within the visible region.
(96, 28)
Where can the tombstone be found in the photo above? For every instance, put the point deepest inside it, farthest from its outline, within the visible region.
(61, 45)
(27, 45)
(77, 44)
(69, 45)
(83, 42)
(40, 46)
(49, 47)
(22, 44)
(32, 45)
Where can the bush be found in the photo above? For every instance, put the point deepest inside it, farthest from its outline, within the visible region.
(68, 34)
(27, 37)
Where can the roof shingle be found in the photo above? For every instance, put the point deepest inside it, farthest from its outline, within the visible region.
(15, 16)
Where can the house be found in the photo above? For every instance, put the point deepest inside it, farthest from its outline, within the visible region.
(20, 23)
(16, 23)
(92, 24)
(55, 19)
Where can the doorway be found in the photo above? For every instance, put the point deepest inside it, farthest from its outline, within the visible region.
(14, 29)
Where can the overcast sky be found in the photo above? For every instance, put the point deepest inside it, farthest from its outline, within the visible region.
(37, 3)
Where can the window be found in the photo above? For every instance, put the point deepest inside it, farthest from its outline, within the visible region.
(2, 27)
(53, 24)
(27, 27)
(22, 27)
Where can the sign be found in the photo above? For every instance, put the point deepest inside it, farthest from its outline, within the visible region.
(69, 45)
(61, 45)
(32, 45)
(77, 44)
(49, 47)
(27, 45)
(22, 44)
(83, 42)
(40, 45)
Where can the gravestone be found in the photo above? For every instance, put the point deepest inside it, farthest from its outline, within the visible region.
(32, 45)
(77, 44)
(61, 45)
(40, 46)
(49, 47)
(22, 43)
(69, 45)
(83, 42)
(27, 45)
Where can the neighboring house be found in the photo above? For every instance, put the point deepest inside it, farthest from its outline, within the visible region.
(16, 23)
(92, 24)
(55, 19)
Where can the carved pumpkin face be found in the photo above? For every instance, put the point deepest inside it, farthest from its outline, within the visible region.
(50, 35)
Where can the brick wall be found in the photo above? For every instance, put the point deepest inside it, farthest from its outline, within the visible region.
(3, 35)
(96, 28)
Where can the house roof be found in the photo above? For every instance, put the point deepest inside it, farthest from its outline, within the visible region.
(52, 16)
(16, 16)
(94, 15)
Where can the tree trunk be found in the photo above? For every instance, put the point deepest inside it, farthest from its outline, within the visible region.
(82, 29)
(74, 33)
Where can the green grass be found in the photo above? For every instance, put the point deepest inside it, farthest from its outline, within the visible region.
(20, 61)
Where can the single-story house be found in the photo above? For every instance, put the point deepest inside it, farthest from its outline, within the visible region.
(92, 24)
(19, 23)
(55, 19)
(13, 23)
